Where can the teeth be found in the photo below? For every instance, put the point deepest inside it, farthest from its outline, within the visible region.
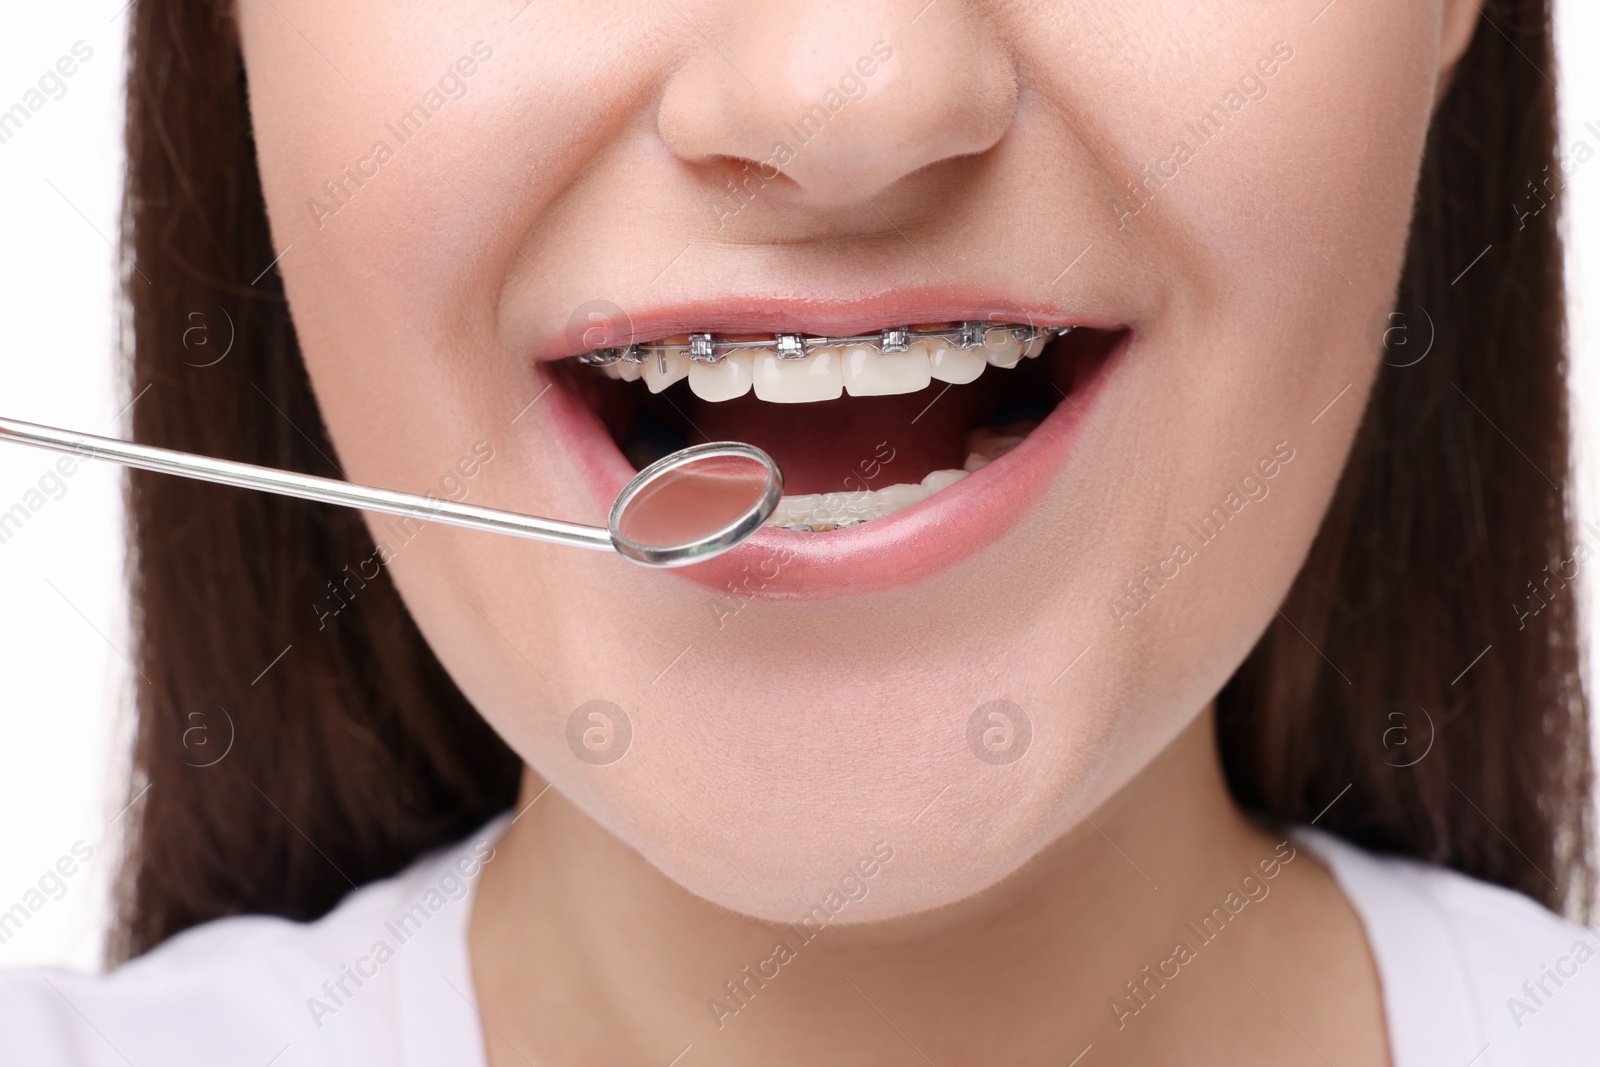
(897, 497)
(676, 366)
(938, 480)
(1001, 349)
(868, 372)
(818, 376)
(957, 366)
(985, 445)
(730, 378)
(797, 368)
(623, 370)
(823, 512)
(830, 511)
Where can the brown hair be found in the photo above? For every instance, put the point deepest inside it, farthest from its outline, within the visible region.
(1434, 608)
(352, 751)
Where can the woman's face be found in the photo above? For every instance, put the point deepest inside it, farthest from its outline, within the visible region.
(1216, 194)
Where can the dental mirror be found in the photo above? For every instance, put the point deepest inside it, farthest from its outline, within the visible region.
(684, 508)
(695, 503)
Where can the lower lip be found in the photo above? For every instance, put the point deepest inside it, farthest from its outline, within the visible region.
(897, 550)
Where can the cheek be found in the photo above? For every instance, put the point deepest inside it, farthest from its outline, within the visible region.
(401, 248)
(344, 176)
(1276, 243)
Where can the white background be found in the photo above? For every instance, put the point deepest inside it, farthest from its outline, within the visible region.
(65, 704)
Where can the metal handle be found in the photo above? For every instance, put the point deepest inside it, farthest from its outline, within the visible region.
(306, 486)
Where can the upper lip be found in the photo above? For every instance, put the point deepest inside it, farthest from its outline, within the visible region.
(817, 316)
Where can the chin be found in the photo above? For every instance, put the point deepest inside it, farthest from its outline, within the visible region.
(832, 866)
(764, 799)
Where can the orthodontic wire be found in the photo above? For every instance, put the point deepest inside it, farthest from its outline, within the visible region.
(705, 348)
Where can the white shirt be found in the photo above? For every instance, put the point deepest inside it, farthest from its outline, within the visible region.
(384, 978)
(1453, 956)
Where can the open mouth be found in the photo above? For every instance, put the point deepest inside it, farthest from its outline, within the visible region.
(863, 426)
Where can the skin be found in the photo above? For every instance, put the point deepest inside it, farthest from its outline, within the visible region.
(770, 757)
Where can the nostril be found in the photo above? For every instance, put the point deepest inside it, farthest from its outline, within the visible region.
(734, 182)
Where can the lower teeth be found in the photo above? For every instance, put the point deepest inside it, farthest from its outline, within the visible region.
(826, 512)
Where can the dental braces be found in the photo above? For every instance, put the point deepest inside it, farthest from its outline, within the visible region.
(706, 348)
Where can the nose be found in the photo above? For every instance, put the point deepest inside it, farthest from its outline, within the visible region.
(841, 97)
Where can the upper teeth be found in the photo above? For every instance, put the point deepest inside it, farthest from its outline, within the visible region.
(795, 368)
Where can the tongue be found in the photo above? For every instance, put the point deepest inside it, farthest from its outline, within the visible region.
(851, 443)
